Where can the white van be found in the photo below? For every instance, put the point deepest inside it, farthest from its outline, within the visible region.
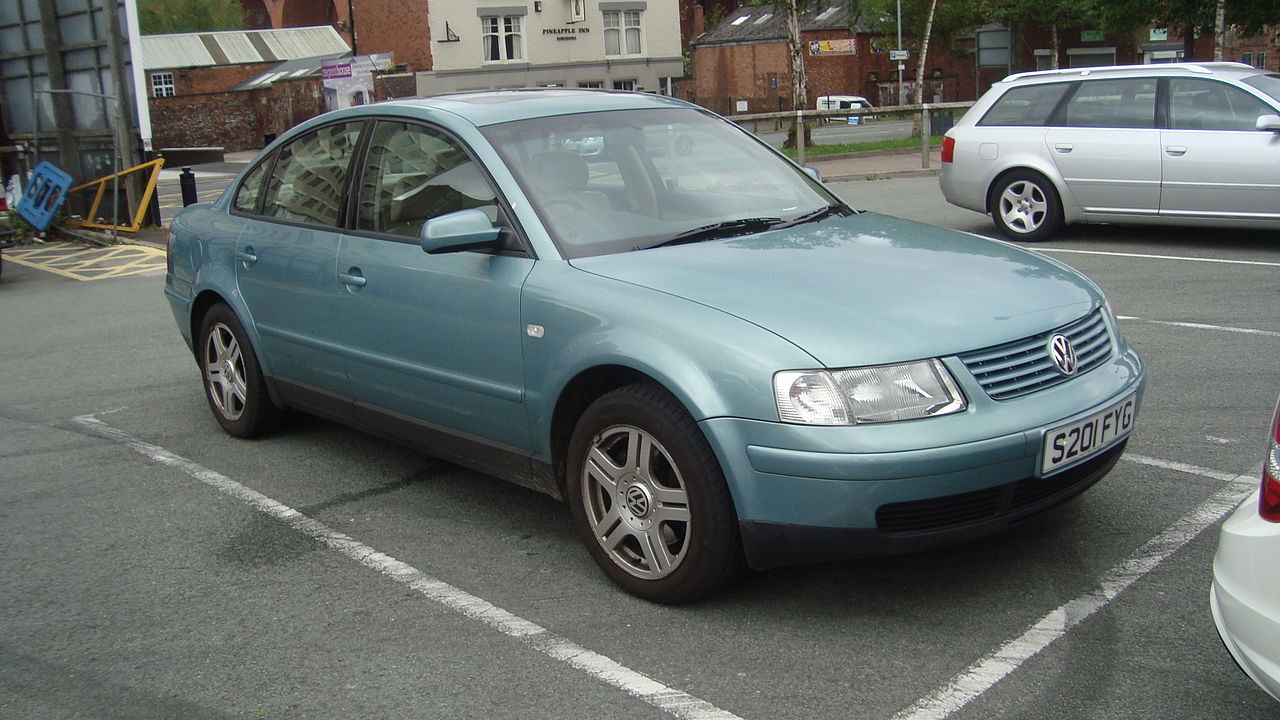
(845, 102)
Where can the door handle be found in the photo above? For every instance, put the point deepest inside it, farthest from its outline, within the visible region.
(1175, 150)
(353, 278)
(247, 256)
(1063, 147)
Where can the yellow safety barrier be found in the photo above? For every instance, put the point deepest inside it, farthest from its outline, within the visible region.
(155, 166)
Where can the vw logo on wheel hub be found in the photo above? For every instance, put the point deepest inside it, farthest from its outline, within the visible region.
(637, 500)
(1063, 354)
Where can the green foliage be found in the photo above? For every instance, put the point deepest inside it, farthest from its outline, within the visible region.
(160, 17)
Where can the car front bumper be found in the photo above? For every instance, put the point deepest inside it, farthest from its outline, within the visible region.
(1245, 596)
(809, 494)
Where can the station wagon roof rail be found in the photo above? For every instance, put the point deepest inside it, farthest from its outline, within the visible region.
(1202, 68)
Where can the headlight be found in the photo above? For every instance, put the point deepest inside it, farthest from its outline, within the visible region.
(884, 393)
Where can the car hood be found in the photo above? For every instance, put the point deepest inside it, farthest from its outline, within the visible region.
(868, 288)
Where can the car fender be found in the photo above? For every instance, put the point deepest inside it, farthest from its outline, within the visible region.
(716, 364)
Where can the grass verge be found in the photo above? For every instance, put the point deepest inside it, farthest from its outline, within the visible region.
(842, 148)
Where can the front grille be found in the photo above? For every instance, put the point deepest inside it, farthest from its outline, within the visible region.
(1010, 500)
(1024, 366)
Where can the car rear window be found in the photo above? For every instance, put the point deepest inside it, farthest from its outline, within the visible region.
(1030, 105)
(1122, 103)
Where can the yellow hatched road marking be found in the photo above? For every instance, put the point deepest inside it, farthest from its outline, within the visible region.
(78, 262)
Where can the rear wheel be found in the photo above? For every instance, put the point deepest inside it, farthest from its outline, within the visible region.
(233, 381)
(1025, 206)
(649, 498)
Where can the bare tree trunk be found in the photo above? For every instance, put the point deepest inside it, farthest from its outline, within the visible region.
(799, 93)
(1220, 30)
(924, 53)
(1057, 48)
(917, 127)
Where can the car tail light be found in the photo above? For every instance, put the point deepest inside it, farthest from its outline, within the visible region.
(948, 149)
(1269, 505)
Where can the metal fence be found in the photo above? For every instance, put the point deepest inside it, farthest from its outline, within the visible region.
(799, 118)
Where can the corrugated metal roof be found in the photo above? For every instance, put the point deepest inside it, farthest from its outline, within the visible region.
(237, 47)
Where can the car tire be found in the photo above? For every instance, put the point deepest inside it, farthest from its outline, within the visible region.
(649, 498)
(233, 380)
(1025, 206)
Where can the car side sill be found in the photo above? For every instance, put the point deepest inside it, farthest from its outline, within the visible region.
(468, 451)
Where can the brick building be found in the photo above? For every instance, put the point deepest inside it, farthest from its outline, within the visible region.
(197, 92)
(743, 64)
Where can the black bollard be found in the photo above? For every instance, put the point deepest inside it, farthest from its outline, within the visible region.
(187, 181)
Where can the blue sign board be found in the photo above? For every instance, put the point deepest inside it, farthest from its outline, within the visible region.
(44, 195)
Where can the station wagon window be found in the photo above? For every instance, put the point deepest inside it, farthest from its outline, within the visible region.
(246, 199)
(1269, 84)
(1027, 106)
(414, 173)
(1125, 103)
(1196, 104)
(310, 176)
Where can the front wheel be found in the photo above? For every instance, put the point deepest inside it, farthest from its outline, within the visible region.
(1025, 206)
(649, 498)
(233, 381)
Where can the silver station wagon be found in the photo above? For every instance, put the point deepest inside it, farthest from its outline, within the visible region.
(626, 302)
(1173, 144)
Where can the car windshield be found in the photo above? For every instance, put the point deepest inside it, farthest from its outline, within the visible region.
(618, 181)
(1269, 84)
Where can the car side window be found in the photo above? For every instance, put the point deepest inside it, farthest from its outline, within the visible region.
(309, 178)
(246, 198)
(1027, 106)
(1126, 103)
(1196, 104)
(413, 173)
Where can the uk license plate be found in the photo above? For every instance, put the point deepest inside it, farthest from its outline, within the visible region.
(1068, 444)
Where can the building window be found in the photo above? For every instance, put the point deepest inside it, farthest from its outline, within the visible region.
(591, 84)
(1260, 61)
(624, 85)
(162, 84)
(622, 32)
(501, 38)
(1246, 58)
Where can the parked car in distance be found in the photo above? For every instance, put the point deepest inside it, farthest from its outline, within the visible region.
(710, 355)
(845, 102)
(1183, 144)
(1245, 597)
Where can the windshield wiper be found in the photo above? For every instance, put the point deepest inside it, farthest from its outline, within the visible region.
(728, 228)
(820, 214)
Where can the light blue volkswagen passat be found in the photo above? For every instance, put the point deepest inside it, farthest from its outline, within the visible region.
(706, 352)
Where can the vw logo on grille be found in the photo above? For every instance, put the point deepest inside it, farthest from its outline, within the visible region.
(1063, 354)
(637, 501)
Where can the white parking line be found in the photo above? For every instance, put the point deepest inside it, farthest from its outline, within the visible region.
(984, 674)
(1203, 326)
(677, 703)
(1160, 257)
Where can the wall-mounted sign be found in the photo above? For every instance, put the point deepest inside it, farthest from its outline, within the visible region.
(833, 47)
(1092, 36)
(899, 54)
(1158, 34)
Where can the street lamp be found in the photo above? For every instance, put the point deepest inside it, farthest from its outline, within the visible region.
(902, 67)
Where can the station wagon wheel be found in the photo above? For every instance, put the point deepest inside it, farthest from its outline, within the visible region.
(649, 498)
(233, 380)
(1025, 206)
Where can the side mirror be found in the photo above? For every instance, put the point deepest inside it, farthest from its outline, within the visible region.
(813, 173)
(1268, 122)
(458, 232)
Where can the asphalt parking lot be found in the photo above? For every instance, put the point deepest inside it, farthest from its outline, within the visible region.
(156, 568)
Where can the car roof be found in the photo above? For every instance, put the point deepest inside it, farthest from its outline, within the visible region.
(1227, 70)
(490, 108)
